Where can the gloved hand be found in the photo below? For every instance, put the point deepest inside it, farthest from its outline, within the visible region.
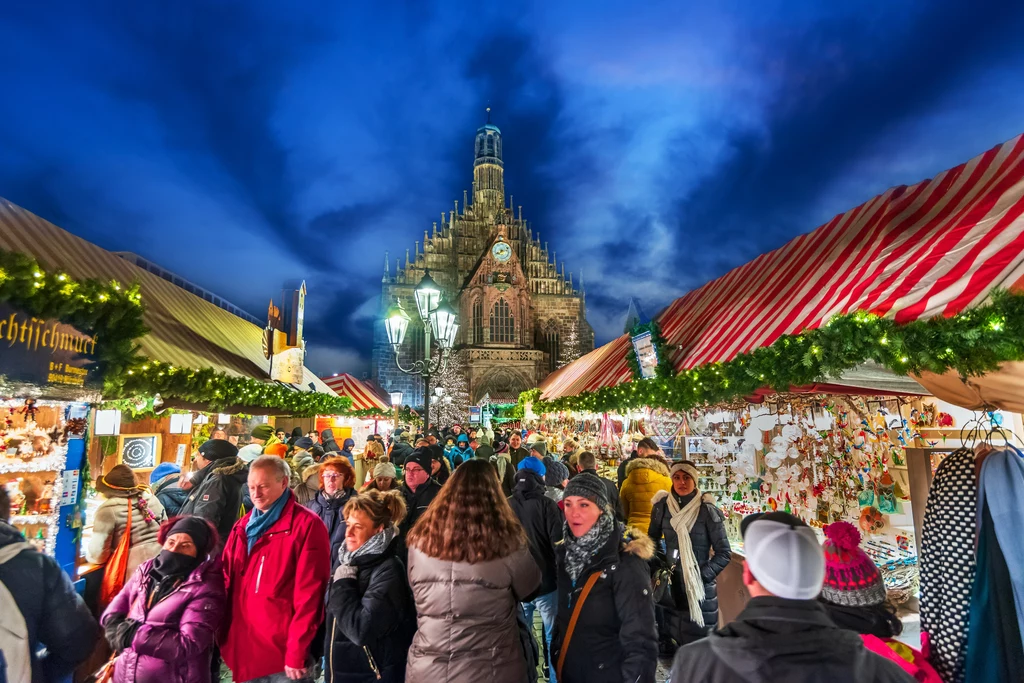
(125, 634)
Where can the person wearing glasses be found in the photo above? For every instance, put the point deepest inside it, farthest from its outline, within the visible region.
(337, 487)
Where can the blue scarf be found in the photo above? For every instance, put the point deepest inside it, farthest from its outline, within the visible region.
(1001, 486)
(259, 522)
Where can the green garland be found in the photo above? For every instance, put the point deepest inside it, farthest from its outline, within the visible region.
(664, 368)
(107, 311)
(217, 391)
(972, 342)
(406, 415)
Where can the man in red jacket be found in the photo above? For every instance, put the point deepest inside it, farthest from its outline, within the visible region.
(277, 564)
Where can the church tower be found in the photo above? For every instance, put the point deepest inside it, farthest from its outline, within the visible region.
(521, 316)
(488, 169)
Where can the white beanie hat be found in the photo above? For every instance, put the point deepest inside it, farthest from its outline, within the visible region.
(784, 555)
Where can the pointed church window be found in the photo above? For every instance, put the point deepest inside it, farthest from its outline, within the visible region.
(478, 322)
(502, 323)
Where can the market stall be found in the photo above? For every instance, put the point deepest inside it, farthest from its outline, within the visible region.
(805, 379)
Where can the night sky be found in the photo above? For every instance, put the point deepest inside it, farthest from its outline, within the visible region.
(653, 145)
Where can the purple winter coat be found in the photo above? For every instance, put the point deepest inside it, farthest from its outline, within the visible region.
(176, 640)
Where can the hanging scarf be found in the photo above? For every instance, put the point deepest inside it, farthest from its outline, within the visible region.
(259, 522)
(376, 545)
(580, 551)
(682, 522)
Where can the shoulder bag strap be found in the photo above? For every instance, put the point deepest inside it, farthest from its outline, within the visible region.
(572, 620)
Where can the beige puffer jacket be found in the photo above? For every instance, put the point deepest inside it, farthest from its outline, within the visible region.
(110, 522)
(467, 628)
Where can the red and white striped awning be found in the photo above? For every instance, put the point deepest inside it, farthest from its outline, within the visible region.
(934, 248)
(362, 395)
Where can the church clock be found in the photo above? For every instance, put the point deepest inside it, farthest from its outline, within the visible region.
(501, 251)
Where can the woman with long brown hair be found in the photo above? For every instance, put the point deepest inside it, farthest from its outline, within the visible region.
(469, 567)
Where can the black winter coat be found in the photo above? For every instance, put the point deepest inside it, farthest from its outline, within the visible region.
(55, 616)
(329, 510)
(775, 639)
(518, 455)
(613, 495)
(219, 496)
(708, 533)
(621, 476)
(542, 521)
(375, 610)
(399, 452)
(616, 638)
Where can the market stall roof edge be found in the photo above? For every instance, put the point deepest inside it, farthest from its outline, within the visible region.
(931, 249)
(363, 395)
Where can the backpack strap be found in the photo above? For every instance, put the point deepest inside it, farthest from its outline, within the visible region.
(575, 617)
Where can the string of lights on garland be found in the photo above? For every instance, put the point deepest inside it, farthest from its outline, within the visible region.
(107, 311)
(406, 415)
(217, 391)
(970, 343)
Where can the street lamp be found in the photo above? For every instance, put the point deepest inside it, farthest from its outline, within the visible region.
(437, 318)
(396, 401)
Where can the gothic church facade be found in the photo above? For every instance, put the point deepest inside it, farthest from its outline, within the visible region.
(521, 317)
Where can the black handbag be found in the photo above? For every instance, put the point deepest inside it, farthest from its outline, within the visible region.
(661, 576)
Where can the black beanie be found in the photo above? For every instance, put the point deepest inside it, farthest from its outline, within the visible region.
(218, 449)
(422, 456)
(198, 530)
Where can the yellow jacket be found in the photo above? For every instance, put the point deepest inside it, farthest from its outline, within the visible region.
(644, 478)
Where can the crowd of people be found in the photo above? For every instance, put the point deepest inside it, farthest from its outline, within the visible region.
(426, 560)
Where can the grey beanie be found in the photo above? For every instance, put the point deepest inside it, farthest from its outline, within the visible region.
(540, 447)
(589, 486)
(556, 472)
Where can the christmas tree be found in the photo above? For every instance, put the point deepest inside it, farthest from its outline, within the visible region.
(453, 405)
(570, 348)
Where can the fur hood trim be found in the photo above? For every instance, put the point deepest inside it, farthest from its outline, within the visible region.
(638, 543)
(311, 471)
(229, 466)
(647, 464)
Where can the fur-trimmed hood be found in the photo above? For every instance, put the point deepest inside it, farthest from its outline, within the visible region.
(647, 464)
(312, 471)
(637, 543)
(228, 466)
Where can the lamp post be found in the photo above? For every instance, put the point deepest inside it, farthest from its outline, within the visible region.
(396, 402)
(438, 318)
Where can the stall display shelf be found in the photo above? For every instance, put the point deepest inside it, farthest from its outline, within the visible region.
(49, 463)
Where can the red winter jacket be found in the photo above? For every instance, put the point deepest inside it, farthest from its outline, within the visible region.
(275, 593)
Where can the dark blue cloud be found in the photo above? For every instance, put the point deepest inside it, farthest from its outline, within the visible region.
(244, 144)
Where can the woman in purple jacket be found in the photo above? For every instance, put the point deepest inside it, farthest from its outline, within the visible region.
(164, 622)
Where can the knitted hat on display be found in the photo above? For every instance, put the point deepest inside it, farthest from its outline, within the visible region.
(385, 469)
(851, 578)
(262, 432)
(534, 465)
(589, 486)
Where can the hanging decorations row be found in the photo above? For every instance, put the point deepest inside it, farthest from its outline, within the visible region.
(972, 342)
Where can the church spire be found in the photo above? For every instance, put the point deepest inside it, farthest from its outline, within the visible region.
(387, 264)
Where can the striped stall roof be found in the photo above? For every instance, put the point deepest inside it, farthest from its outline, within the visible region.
(185, 330)
(931, 249)
(363, 396)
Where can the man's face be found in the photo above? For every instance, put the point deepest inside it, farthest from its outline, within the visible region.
(415, 475)
(515, 441)
(200, 461)
(456, 429)
(432, 440)
(644, 451)
(265, 488)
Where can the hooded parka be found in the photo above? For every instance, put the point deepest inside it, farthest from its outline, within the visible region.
(370, 616)
(775, 639)
(542, 521)
(708, 533)
(615, 639)
(468, 629)
(219, 497)
(644, 478)
(330, 511)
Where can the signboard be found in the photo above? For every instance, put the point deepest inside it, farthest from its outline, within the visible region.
(139, 451)
(45, 353)
(474, 415)
(69, 487)
(646, 355)
(287, 366)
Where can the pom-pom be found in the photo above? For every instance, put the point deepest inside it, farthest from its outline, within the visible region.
(843, 535)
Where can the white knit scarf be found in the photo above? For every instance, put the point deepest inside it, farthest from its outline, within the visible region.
(682, 521)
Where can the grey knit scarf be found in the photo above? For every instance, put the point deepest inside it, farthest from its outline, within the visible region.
(580, 551)
(377, 544)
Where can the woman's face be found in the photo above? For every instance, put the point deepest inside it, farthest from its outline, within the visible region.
(384, 483)
(332, 482)
(581, 514)
(359, 530)
(682, 483)
(181, 544)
